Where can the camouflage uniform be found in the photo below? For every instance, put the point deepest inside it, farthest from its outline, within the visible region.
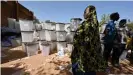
(87, 46)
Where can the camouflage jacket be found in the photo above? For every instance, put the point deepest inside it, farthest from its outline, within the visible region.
(87, 48)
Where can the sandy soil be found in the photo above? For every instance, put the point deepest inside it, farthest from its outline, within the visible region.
(41, 65)
(49, 65)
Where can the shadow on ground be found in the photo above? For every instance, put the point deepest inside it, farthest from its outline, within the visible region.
(11, 71)
(12, 55)
(126, 68)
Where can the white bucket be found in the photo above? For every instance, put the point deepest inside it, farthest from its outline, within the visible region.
(50, 35)
(53, 45)
(61, 45)
(27, 36)
(60, 27)
(70, 47)
(32, 49)
(61, 35)
(42, 35)
(44, 48)
(26, 25)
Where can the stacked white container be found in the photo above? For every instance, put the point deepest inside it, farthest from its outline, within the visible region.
(50, 33)
(69, 39)
(61, 36)
(32, 48)
(47, 34)
(27, 32)
(71, 32)
(50, 46)
(60, 27)
(75, 23)
(27, 28)
(44, 47)
(26, 25)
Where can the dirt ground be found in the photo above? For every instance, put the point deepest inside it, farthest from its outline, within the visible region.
(39, 65)
(19, 64)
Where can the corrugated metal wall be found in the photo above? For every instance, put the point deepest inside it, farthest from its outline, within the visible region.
(13, 9)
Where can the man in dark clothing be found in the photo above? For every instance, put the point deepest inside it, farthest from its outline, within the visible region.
(109, 39)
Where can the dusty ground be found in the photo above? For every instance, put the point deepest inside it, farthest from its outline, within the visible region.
(39, 65)
(46, 65)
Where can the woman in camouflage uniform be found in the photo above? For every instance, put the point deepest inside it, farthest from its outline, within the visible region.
(86, 55)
